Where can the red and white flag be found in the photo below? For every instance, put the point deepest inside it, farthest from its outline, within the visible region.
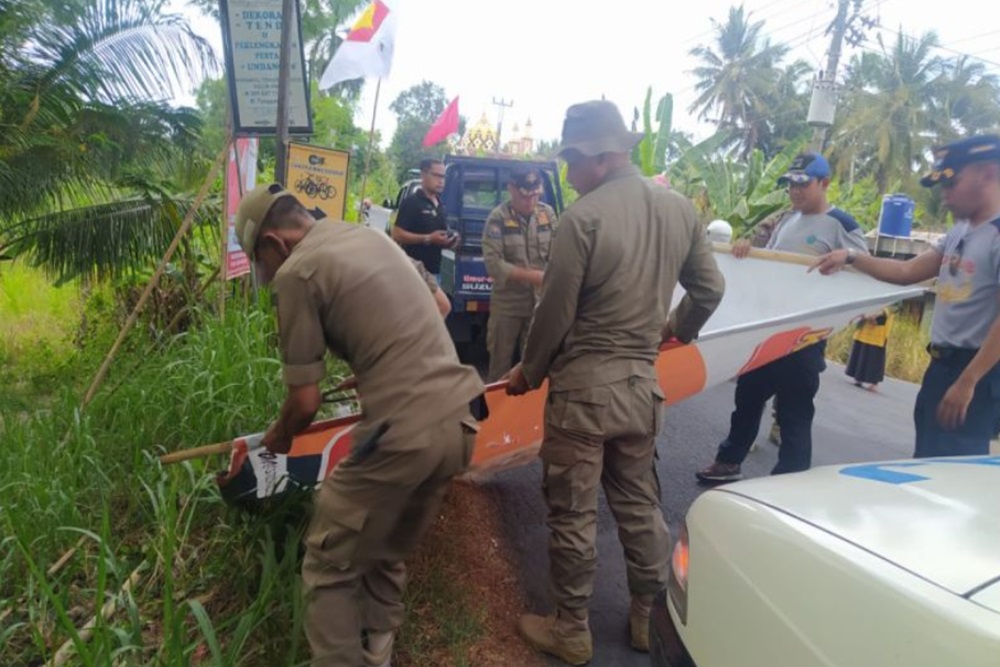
(367, 49)
(446, 123)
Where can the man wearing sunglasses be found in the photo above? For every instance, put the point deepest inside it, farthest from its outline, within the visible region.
(421, 228)
(814, 227)
(958, 405)
(517, 238)
(350, 290)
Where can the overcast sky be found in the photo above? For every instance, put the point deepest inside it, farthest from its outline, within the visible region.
(547, 54)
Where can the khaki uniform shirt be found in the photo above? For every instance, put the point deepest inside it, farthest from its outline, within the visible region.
(510, 241)
(620, 252)
(353, 291)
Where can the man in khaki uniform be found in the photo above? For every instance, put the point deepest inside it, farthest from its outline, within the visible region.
(603, 313)
(416, 431)
(516, 241)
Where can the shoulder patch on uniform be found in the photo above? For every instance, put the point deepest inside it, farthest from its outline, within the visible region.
(493, 230)
(844, 218)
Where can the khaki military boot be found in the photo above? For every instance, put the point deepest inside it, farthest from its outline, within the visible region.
(638, 621)
(565, 637)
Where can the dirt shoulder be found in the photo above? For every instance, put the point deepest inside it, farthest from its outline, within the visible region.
(464, 595)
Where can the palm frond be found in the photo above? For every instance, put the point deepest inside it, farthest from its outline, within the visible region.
(104, 240)
(122, 49)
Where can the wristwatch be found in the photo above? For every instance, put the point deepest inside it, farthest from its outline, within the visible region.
(851, 254)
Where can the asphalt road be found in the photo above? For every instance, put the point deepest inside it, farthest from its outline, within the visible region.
(851, 425)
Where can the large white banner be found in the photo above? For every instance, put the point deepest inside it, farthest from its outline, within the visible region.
(772, 307)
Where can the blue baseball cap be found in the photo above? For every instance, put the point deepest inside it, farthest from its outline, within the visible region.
(804, 168)
(949, 159)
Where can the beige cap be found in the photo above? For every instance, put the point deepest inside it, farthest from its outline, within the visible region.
(253, 208)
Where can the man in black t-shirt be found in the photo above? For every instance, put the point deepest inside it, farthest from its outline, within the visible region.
(420, 224)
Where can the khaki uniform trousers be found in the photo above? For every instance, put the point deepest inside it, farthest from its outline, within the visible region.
(603, 435)
(504, 335)
(369, 515)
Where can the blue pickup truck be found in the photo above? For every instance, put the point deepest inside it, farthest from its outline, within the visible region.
(474, 186)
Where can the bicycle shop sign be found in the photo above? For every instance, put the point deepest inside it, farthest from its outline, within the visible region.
(318, 177)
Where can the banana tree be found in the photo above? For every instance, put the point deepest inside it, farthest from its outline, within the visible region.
(650, 153)
(724, 187)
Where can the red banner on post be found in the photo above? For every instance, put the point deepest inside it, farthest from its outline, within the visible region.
(241, 177)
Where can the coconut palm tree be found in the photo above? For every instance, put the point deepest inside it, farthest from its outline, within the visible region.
(890, 117)
(968, 96)
(736, 78)
(84, 131)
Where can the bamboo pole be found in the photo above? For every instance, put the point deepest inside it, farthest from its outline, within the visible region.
(804, 260)
(224, 249)
(110, 607)
(61, 563)
(134, 316)
(197, 452)
(772, 255)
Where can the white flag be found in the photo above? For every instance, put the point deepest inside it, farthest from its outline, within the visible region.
(367, 49)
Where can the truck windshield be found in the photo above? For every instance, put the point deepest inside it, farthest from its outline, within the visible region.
(479, 188)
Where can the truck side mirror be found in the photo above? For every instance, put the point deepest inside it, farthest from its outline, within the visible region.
(386, 203)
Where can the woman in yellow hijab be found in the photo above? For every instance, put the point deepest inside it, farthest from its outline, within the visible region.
(867, 362)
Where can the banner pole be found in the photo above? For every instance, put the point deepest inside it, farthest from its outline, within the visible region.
(368, 158)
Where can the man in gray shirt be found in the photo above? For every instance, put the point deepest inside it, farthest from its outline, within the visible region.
(958, 405)
(812, 228)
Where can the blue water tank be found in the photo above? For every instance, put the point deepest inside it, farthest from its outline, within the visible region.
(897, 216)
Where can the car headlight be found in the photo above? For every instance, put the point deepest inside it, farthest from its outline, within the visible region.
(677, 588)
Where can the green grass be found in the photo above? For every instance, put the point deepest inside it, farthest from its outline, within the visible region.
(37, 327)
(215, 585)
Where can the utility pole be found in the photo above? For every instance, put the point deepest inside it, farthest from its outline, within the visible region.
(502, 104)
(288, 11)
(825, 87)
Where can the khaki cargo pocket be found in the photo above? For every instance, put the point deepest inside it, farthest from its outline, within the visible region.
(583, 410)
(658, 398)
(335, 533)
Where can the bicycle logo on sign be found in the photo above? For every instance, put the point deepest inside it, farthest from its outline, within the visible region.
(316, 187)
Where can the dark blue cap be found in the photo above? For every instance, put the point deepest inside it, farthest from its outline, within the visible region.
(949, 159)
(806, 167)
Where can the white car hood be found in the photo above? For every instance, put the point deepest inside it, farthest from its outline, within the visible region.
(937, 518)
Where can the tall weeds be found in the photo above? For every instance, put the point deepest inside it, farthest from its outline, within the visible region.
(214, 585)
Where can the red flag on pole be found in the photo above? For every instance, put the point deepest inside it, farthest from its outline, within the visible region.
(446, 123)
